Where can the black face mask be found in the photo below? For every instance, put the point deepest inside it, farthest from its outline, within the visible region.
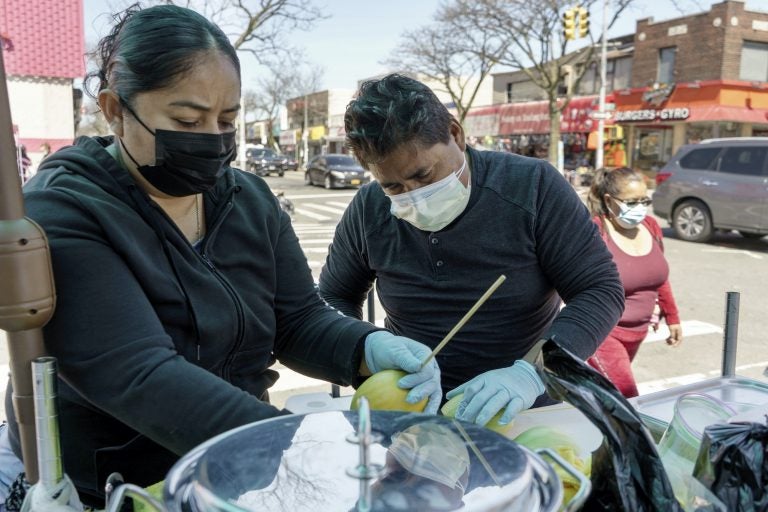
(186, 163)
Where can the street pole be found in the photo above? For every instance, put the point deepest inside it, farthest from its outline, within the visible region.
(599, 154)
(305, 135)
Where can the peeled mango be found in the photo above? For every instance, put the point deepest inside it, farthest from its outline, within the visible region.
(449, 410)
(383, 393)
(541, 436)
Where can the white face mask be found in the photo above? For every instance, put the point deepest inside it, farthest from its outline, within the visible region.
(434, 206)
(630, 217)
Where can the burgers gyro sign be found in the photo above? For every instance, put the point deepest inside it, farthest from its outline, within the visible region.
(652, 114)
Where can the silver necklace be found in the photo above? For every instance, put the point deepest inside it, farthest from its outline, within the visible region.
(197, 217)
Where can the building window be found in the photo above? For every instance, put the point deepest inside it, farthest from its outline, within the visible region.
(754, 61)
(610, 66)
(666, 73)
(589, 82)
(509, 92)
(622, 73)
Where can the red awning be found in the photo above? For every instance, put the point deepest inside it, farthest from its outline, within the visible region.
(728, 113)
(533, 117)
(482, 121)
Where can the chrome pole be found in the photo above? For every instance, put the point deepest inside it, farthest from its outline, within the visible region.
(44, 386)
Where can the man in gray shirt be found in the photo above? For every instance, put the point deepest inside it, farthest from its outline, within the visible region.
(441, 223)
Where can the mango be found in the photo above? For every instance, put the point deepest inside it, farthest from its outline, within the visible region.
(383, 393)
(449, 410)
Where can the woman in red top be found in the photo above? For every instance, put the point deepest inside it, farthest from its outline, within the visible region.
(618, 201)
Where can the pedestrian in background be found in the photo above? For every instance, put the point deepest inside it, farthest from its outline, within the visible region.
(618, 201)
(25, 163)
(438, 226)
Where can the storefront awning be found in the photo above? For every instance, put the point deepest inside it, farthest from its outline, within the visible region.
(728, 113)
(706, 101)
(533, 117)
(316, 132)
(482, 121)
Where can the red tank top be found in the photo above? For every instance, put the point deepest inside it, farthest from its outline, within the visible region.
(641, 276)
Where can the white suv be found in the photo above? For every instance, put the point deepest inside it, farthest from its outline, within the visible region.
(716, 184)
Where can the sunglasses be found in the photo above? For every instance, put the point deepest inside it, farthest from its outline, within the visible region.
(646, 201)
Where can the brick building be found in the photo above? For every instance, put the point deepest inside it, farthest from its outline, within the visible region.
(670, 83)
(43, 51)
(695, 77)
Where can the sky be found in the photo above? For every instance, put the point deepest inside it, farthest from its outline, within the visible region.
(360, 34)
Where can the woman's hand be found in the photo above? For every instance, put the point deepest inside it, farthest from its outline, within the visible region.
(675, 335)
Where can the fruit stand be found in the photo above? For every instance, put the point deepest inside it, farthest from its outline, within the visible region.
(326, 457)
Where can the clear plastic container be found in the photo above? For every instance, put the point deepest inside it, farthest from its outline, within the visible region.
(693, 413)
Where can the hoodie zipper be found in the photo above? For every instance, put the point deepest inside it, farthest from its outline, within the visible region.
(207, 238)
(240, 336)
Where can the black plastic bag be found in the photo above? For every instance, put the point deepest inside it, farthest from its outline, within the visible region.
(627, 473)
(733, 464)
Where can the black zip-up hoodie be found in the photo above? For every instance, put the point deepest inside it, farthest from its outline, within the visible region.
(161, 346)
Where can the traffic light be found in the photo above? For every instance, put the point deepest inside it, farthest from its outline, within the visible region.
(583, 16)
(569, 24)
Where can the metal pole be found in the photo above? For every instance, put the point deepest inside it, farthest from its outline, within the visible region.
(599, 153)
(305, 135)
(730, 333)
(27, 299)
(44, 383)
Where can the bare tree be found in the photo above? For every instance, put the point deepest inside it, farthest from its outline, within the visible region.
(457, 55)
(280, 82)
(306, 83)
(537, 45)
(92, 122)
(259, 27)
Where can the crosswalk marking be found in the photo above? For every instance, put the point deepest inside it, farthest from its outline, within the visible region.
(652, 386)
(343, 206)
(323, 208)
(325, 241)
(690, 328)
(308, 228)
(312, 215)
(321, 196)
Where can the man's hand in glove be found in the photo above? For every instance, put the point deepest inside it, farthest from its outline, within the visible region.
(514, 388)
(385, 351)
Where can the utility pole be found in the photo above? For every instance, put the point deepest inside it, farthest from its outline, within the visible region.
(305, 134)
(599, 154)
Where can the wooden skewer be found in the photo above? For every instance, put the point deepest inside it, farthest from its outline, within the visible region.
(464, 320)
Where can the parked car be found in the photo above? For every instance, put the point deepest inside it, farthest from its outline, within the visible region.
(291, 164)
(264, 161)
(334, 171)
(716, 184)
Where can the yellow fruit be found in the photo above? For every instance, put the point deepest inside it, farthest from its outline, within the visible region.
(449, 409)
(542, 436)
(383, 393)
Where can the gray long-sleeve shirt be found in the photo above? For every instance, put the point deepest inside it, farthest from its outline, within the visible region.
(523, 220)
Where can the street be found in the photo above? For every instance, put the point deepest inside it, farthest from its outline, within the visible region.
(701, 274)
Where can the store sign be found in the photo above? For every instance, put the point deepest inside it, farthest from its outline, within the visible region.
(288, 138)
(657, 94)
(650, 114)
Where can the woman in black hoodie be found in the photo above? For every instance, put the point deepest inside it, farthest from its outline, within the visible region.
(179, 279)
